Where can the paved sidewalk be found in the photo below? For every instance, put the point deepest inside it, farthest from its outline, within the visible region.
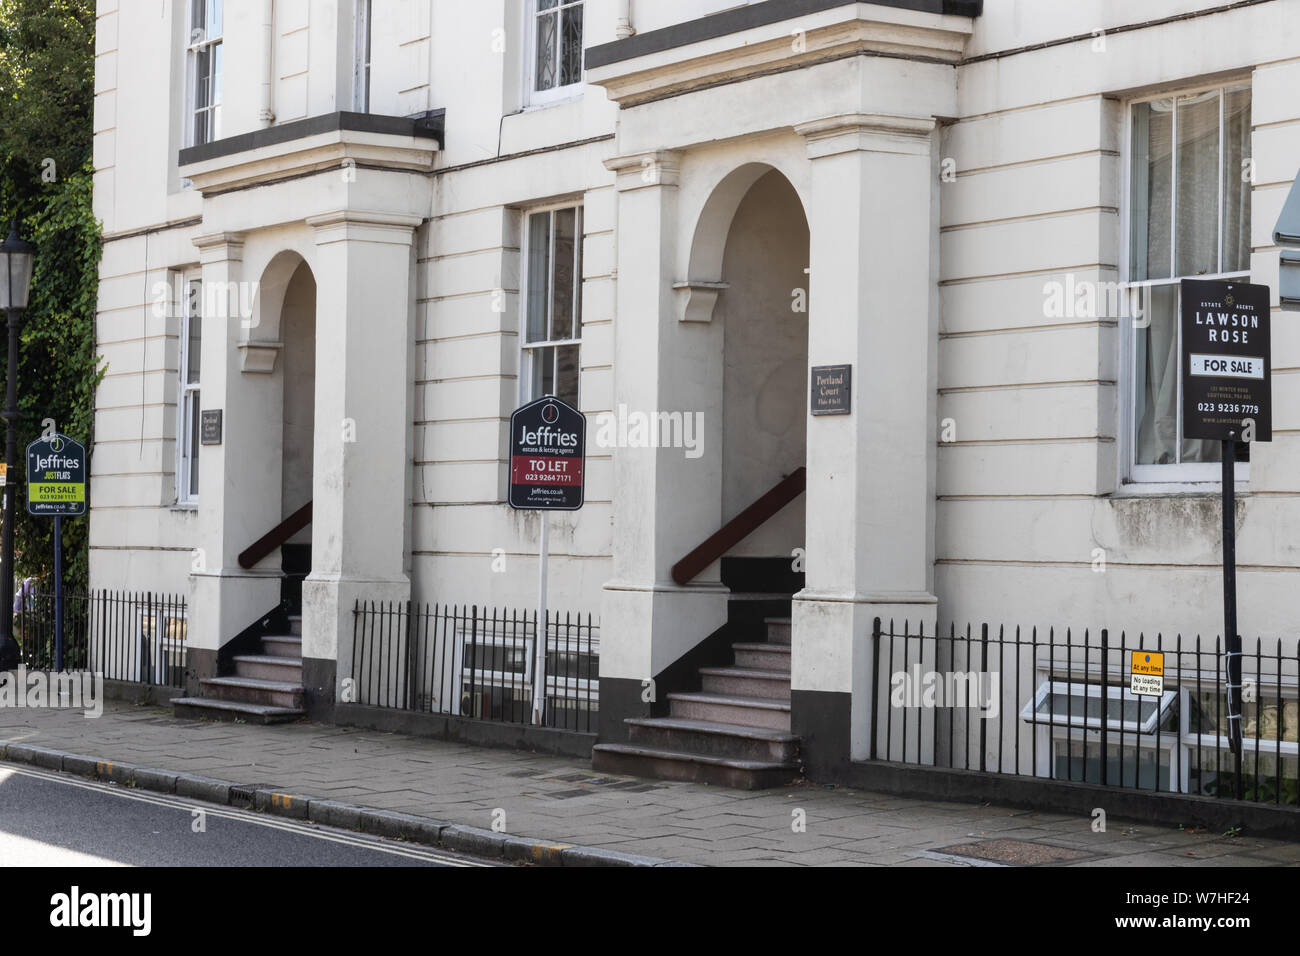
(562, 800)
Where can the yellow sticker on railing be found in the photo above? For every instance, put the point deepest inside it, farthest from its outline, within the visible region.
(1149, 663)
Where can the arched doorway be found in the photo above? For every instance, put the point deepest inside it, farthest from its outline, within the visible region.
(280, 365)
(719, 638)
(765, 360)
(298, 370)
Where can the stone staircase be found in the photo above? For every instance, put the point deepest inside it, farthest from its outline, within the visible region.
(266, 687)
(734, 731)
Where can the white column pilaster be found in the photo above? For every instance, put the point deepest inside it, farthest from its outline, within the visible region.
(664, 503)
(361, 496)
(870, 497)
(239, 481)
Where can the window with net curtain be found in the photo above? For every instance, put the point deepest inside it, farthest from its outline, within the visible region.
(1189, 217)
(553, 304)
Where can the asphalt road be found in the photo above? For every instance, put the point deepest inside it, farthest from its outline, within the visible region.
(50, 819)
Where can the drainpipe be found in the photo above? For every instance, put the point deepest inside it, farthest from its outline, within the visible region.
(623, 19)
(266, 112)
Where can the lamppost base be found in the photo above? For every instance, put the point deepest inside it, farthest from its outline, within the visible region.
(10, 654)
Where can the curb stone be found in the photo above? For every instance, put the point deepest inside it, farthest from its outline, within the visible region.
(36, 756)
(401, 826)
(331, 813)
(202, 788)
(80, 765)
(594, 856)
(384, 823)
(147, 778)
(282, 804)
(474, 840)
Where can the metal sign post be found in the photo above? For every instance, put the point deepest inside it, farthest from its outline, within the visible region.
(1232, 640)
(58, 593)
(539, 632)
(1227, 396)
(56, 486)
(547, 459)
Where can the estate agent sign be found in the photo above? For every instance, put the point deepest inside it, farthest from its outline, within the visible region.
(1227, 397)
(1226, 364)
(547, 452)
(56, 477)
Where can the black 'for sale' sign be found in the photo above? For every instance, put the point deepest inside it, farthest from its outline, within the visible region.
(1227, 365)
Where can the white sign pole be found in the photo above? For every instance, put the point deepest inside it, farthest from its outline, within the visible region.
(539, 636)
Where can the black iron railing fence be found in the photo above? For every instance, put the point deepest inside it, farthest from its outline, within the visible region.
(139, 637)
(477, 662)
(1060, 705)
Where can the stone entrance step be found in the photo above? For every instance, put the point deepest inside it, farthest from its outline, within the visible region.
(731, 709)
(265, 688)
(706, 737)
(208, 708)
(741, 774)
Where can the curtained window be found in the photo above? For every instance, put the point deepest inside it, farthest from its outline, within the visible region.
(188, 415)
(552, 304)
(1189, 216)
(204, 51)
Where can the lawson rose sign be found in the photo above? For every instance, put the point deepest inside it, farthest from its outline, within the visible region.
(1227, 362)
(547, 453)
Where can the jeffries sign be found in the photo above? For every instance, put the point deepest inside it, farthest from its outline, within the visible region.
(547, 453)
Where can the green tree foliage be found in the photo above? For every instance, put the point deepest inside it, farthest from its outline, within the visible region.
(47, 96)
(46, 132)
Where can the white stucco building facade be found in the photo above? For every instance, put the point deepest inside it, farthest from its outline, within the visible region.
(365, 233)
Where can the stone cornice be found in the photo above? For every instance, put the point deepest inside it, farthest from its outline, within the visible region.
(365, 226)
(220, 246)
(839, 31)
(876, 132)
(643, 170)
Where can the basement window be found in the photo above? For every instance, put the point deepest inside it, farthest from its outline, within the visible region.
(1079, 706)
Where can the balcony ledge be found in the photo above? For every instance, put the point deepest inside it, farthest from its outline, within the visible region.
(331, 141)
(774, 36)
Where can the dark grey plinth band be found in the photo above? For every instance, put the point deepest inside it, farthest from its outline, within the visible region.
(430, 126)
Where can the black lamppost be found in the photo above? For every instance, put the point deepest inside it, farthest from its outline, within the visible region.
(15, 282)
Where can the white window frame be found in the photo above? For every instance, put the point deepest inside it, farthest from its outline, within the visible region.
(164, 650)
(187, 393)
(1080, 721)
(1062, 730)
(585, 689)
(525, 347)
(194, 45)
(1182, 476)
(533, 97)
(482, 678)
(363, 22)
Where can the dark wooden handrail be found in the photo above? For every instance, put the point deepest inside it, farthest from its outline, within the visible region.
(740, 527)
(277, 536)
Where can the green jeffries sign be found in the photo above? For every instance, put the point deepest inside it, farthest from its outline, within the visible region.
(56, 477)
